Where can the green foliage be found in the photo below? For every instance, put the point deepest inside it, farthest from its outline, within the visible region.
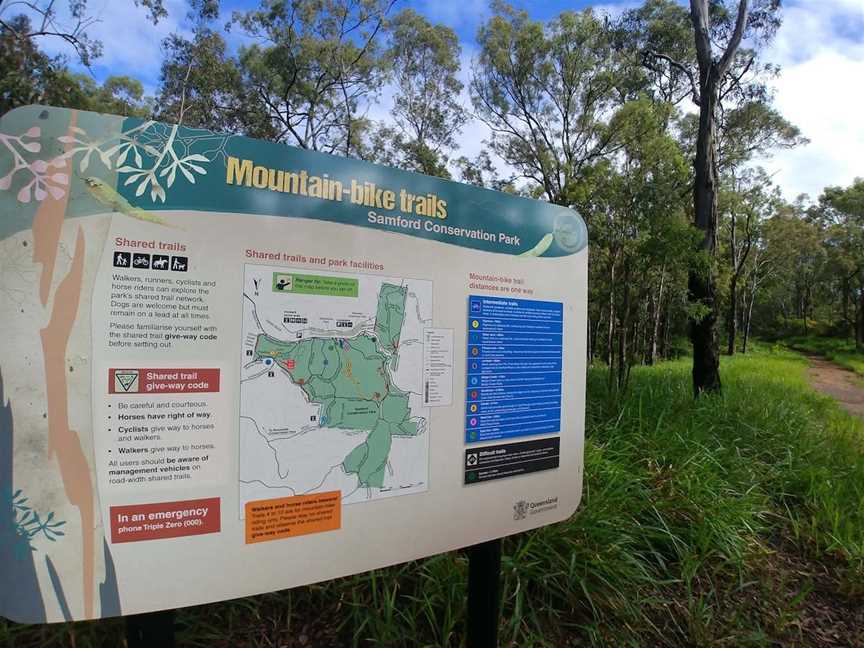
(427, 114)
(30, 76)
(312, 69)
(754, 128)
(544, 90)
(660, 26)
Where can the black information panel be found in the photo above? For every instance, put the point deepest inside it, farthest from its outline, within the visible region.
(511, 459)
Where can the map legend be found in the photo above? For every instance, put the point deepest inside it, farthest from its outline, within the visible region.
(514, 368)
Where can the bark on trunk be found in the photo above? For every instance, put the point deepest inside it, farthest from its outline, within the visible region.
(732, 316)
(624, 324)
(658, 309)
(610, 337)
(860, 317)
(748, 319)
(702, 283)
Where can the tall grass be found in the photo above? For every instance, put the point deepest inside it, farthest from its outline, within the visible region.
(686, 506)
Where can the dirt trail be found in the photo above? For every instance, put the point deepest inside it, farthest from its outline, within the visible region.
(839, 383)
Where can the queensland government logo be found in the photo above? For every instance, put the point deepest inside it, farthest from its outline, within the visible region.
(520, 510)
(523, 509)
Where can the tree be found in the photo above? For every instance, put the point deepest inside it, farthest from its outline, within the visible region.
(797, 253)
(314, 68)
(27, 73)
(641, 240)
(659, 33)
(840, 213)
(31, 76)
(747, 202)
(427, 115)
(480, 171)
(46, 23)
(703, 291)
(201, 84)
(545, 91)
(732, 76)
(24, 33)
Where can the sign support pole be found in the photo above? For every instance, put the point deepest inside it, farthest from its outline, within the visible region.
(484, 594)
(152, 630)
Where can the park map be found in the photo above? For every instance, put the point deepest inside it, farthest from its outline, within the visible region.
(331, 384)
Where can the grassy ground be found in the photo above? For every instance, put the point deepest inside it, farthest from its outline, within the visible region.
(736, 520)
(838, 350)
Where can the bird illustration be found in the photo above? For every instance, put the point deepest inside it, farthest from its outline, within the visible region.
(540, 248)
(110, 198)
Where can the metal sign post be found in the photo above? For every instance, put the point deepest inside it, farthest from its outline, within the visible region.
(484, 594)
(153, 630)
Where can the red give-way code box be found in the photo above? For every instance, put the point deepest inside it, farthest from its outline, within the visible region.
(136, 522)
(162, 381)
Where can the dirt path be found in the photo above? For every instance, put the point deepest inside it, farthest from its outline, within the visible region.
(839, 383)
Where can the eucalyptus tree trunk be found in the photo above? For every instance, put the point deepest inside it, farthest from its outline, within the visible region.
(732, 316)
(748, 317)
(702, 281)
(859, 338)
(658, 310)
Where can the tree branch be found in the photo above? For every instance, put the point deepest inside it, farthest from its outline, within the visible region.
(678, 66)
(735, 41)
(699, 18)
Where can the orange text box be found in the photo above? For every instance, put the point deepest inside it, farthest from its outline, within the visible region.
(286, 517)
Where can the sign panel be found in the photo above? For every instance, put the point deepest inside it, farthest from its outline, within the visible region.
(220, 355)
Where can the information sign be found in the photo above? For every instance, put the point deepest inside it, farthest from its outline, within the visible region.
(231, 367)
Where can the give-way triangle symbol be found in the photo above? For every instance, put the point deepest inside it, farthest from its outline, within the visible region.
(126, 380)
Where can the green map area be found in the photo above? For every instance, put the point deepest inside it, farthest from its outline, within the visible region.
(350, 378)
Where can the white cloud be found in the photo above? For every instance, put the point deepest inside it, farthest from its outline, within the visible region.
(615, 9)
(821, 50)
(460, 15)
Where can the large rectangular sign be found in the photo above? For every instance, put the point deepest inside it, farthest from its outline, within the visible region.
(221, 349)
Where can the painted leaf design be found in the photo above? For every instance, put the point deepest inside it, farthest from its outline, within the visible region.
(24, 194)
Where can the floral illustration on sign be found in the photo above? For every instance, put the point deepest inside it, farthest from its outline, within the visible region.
(46, 176)
(150, 156)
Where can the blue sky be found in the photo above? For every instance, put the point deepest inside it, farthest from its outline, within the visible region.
(820, 48)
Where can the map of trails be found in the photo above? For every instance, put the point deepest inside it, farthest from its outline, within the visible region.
(330, 394)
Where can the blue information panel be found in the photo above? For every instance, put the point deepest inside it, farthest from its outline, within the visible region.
(514, 368)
